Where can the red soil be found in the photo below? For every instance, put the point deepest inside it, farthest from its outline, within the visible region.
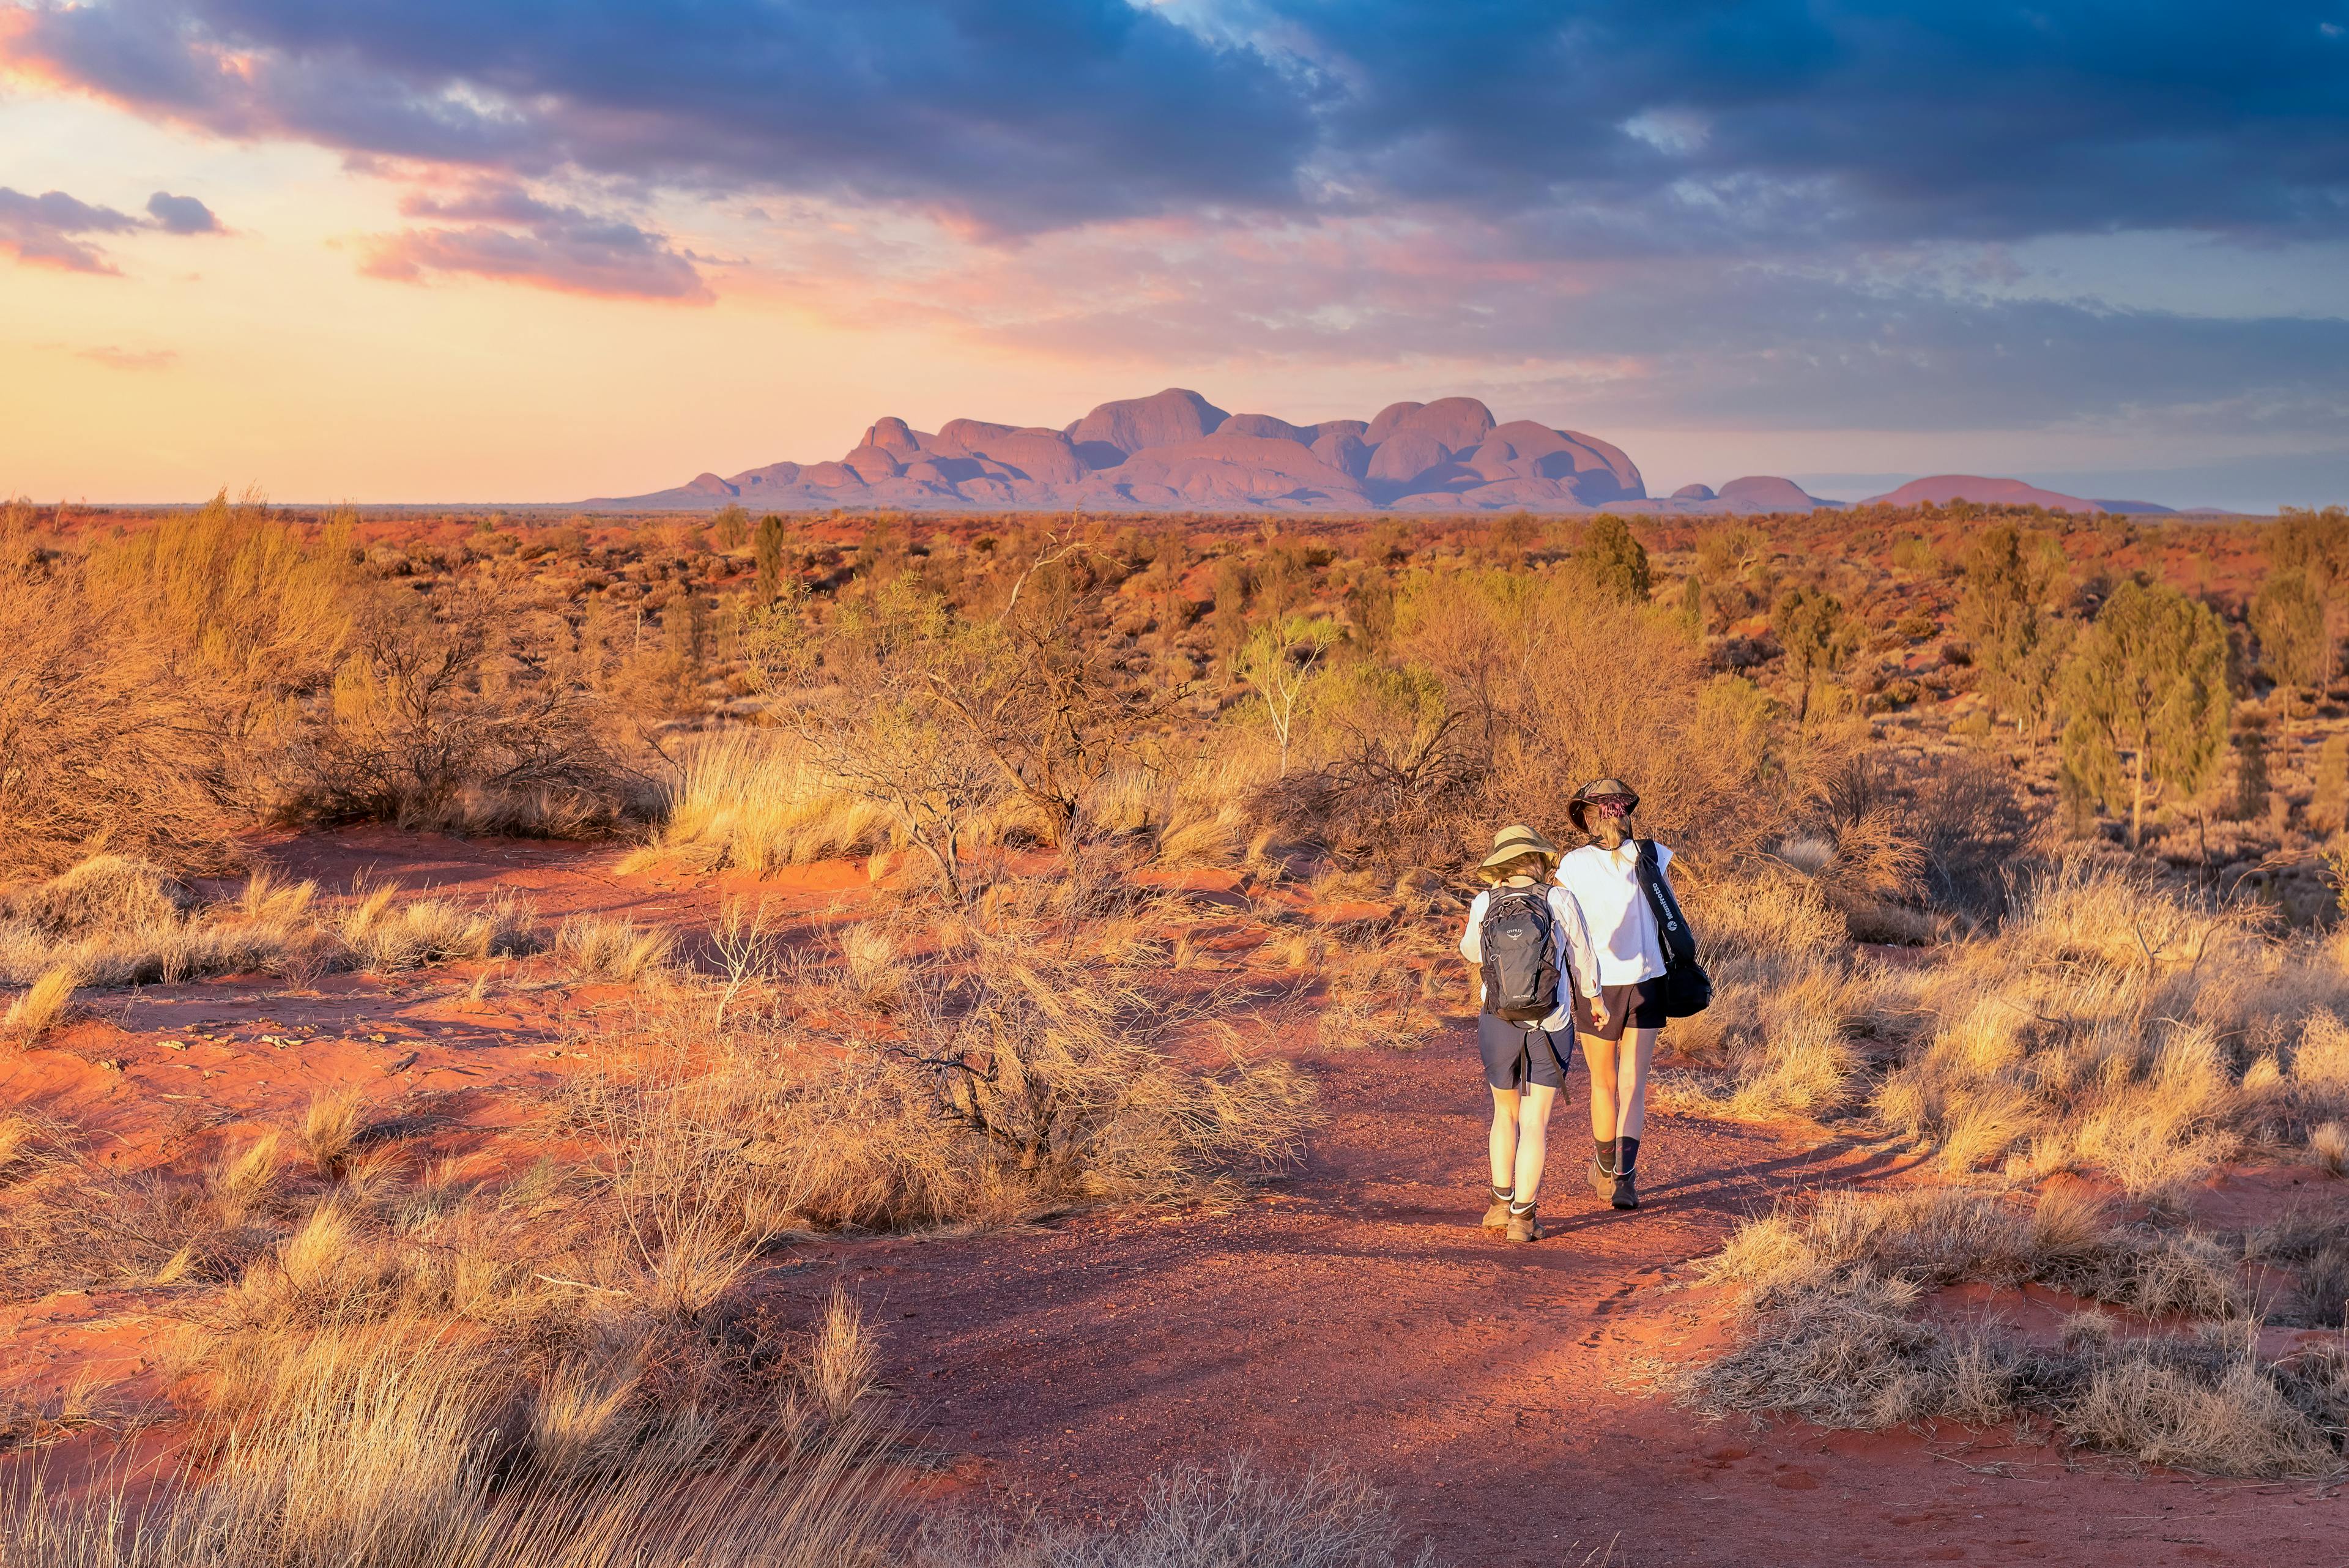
(1353, 1312)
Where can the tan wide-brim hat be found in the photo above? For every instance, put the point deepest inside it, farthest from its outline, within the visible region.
(1515, 840)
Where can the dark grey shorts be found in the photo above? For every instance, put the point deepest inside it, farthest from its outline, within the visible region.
(1642, 1006)
(1515, 1057)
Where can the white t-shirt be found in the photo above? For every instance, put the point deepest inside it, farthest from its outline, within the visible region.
(1576, 965)
(1606, 885)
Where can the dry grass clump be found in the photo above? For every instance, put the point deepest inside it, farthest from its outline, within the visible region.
(1829, 1309)
(2116, 1026)
(600, 947)
(757, 800)
(41, 1006)
(1197, 1517)
(1383, 996)
(386, 932)
(117, 921)
(371, 1454)
(2328, 1142)
(1792, 1009)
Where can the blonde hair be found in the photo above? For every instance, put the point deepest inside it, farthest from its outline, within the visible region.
(1533, 863)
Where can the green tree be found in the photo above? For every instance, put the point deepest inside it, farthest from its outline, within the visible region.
(2328, 801)
(2288, 618)
(1611, 562)
(1229, 628)
(2251, 783)
(2146, 690)
(769, 556)
(1816, 635)
(2316, 542)
(2001, 616)
(731, 525)
(1278, 664)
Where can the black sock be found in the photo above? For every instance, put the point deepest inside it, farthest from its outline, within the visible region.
(1605, 1154)
(1630, 1150)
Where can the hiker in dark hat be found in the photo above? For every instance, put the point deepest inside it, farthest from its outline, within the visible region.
(1619, 1027)
(1531, 957)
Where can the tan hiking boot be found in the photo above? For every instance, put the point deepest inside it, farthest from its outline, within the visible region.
(1524, 1225)
(1602, 1180)
(1497, 1218)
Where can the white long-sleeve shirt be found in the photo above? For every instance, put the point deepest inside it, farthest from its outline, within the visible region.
(1605, 884)
(1569, 936)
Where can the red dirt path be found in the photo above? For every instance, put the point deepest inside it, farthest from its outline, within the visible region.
(1352, 1311)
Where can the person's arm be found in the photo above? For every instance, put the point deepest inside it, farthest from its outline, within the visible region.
(1471, 947)
(1576, 956)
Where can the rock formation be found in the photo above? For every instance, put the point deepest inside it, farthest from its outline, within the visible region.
(1176, 450)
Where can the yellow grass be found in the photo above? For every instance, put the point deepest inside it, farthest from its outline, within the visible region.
(755, 800)
(42, 1006)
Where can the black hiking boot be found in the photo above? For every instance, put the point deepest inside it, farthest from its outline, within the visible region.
(1627, 1193)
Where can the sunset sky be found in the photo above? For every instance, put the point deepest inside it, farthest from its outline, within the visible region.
(522, 250)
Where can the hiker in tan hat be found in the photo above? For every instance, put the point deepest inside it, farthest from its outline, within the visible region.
(1619, 1025)
(1529, 951)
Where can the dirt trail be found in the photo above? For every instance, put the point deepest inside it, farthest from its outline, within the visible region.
(1352, 1311)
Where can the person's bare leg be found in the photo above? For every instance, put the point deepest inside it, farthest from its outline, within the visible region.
(1637, 1055)
(1599, 1056)
(1533, 1139)
(1504, 1139)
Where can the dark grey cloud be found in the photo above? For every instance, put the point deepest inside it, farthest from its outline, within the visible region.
(1638, 125)
(1019, 116)
(182, 214)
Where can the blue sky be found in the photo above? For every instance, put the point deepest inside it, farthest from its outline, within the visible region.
(586, 247)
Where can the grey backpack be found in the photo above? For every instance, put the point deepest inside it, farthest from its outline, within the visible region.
(1520, 956)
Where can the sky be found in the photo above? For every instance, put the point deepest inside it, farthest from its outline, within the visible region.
(539, 249)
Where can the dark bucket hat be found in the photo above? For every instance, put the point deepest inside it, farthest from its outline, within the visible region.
(1599, 789)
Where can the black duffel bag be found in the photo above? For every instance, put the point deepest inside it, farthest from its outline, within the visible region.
(1687, 989)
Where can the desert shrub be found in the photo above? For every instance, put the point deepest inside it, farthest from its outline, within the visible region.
(2096, 1030)
(1792, 1012)
(222, 666)
(412, 729)
(1012, 1084)
(96, 752)
(1613, 689)
(1828, 1309)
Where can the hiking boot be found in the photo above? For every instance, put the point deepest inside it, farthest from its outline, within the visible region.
(1497, 1218)
(1602, 1180)
(1524, 1225)
(1626, 1193)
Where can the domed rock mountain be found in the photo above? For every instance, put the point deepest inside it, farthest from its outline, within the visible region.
(1178, 451)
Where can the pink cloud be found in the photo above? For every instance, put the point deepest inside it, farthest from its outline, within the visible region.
(511, 236)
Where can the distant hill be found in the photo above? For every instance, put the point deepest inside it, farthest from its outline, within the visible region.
(1176, 450)
(1943, 488)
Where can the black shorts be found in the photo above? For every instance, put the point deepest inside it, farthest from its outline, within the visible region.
(1515, 1057)
(1641, 1006)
